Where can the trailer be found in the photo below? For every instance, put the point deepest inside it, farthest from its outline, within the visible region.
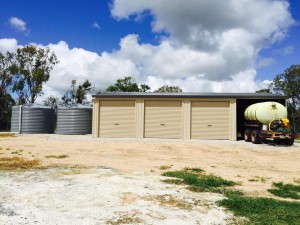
(267, 120)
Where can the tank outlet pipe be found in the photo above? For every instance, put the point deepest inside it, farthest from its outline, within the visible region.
(20, 120)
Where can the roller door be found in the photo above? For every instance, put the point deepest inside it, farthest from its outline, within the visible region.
(117, 119)
(163, 119)
(210, 120)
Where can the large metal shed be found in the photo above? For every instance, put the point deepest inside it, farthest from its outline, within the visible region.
(218, 116)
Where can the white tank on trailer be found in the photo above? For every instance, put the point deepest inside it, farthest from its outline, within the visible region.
(265, 112)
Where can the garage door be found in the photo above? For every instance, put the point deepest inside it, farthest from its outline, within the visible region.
(163, 119)
(117, 119)
(210, 120)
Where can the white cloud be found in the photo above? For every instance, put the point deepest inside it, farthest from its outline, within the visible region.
(18, 24)
(284, 51)
(8, 45)
(96, 26)
(153, 65)
(211, 37)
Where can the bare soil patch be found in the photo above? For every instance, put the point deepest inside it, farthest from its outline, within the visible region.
(255, 167)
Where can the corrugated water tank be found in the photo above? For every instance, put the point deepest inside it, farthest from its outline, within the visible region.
(32, 119)
(75, 119)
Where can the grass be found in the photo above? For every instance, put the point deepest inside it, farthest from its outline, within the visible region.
(56, 156)
(164, 167)
(7, 135)
(198, 180)
(264, 211)
(18, 163)
(286, 190)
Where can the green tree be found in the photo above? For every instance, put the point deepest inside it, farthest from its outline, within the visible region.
(266, 91)
(288, 83)
(127, 84)
(35, 65)
(51, 101)
(169, 89)
(7, 102)
(7, 69)
(77, 94)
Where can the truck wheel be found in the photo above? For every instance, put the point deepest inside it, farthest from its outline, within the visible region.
(255, 138)
(247, 135)
(277, 141)
(289, 142)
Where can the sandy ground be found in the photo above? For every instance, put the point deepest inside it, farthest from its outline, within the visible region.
(121, 179)
(102, 196)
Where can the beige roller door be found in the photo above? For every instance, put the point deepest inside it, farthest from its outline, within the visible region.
(163, 119)
(117, 119)
(210, 120)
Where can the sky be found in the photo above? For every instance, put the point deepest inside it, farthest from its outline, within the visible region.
(198, 45)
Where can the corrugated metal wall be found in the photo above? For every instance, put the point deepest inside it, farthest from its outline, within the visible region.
(15, 119)
(74, 120)
(40, 120)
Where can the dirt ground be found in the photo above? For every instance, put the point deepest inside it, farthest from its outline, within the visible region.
(254, 166)
(130, 170)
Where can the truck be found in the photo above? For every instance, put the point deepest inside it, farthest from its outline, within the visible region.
(267, 120)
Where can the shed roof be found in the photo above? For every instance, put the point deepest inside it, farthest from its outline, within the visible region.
(188, 95)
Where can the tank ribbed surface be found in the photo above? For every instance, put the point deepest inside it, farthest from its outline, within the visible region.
(74, 120)
(15, 117)
(265, 112)
(35, 120)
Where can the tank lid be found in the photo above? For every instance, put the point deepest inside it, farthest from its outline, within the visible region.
(34, 106)
(75, 106)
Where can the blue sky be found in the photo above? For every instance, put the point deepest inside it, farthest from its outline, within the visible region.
(206, 46)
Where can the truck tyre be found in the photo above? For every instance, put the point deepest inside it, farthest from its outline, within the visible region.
(289, 142)
(277, 141)
(255, 138)
(247, 135)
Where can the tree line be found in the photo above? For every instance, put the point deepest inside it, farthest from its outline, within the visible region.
(23, 73)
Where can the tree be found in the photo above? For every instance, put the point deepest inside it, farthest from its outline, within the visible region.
(82, 90)
(7, 70)
(51, 101)
(288, 83)
(34, 65)
(169, 89)
(77, 94)
(266, 91)
(6, 102)
(127, 84)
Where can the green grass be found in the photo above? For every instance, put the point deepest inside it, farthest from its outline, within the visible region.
(197, 180)
(264, 211)
(286, 190)
(56, 156)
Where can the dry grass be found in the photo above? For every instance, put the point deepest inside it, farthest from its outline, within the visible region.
(18, 163)
(131, 218)
(165, 167)
(7, 135)
(169, 200)
(56, 156)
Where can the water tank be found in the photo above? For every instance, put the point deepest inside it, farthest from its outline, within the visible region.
(265, 112)
(76, 119)
(32, 119)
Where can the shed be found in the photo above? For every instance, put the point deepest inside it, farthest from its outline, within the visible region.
(218, 116)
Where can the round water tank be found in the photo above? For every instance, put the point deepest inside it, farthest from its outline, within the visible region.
(74, 120)
(265, 112)
(33, 119)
